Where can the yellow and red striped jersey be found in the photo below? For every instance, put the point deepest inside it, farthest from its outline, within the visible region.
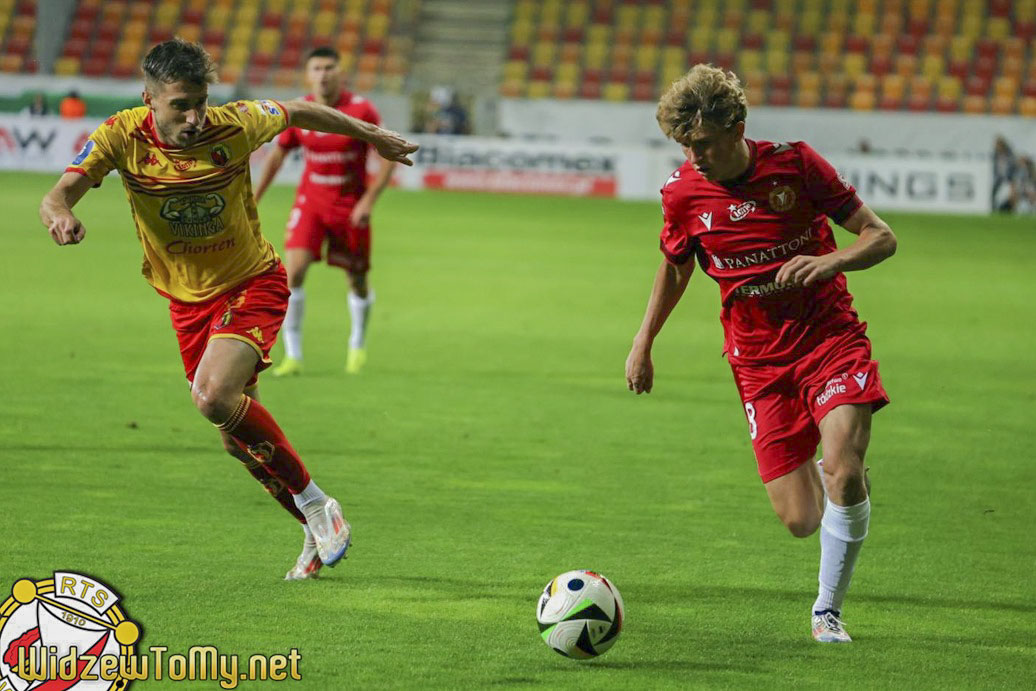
(193, 208)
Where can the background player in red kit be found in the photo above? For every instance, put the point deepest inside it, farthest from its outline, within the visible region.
(754, 216)
(333, 203)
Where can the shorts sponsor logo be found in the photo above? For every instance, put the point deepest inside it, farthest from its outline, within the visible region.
(195, 215)
(84, 152)
(833, 388)
(782, 199)
(740, 211)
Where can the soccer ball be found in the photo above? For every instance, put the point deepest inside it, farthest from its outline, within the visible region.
(580, 614)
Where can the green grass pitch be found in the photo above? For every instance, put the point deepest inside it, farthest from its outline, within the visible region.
(490, 444)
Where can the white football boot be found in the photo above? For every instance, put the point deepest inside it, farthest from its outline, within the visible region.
(828, 628)
(308, 564)
(331, 531)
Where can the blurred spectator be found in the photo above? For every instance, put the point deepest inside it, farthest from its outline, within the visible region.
(72, 106)
(1025, 186)
(38, 106)
(1004, 165)
(444, 114)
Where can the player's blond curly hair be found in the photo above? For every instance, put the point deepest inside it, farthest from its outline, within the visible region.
(706, 94)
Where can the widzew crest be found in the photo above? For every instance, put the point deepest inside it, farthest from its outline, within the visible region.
(71, 622)
(782, 198)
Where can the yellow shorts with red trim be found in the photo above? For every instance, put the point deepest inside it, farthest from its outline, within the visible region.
(251, 312)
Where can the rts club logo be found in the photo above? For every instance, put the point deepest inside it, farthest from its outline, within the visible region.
(65, 632)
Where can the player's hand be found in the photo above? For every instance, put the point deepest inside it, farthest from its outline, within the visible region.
(805, 270)
(640, 373)
(361, 213)
(392, 147)
(66, 229)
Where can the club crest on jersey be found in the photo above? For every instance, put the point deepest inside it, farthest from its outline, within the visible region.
(220, 155)
(739, 211)
(782, 198)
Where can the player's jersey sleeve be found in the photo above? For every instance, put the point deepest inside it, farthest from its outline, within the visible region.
(674, 241)
(289, 139)
(831, 194)
(261, 120)
(371, 115)
(101, 153)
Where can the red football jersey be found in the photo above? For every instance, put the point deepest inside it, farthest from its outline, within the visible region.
(336, 165)
(743, 230)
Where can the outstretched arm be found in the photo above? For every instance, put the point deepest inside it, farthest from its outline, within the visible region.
(56, 208)
(875, 244)
(670, 283)
(315, 116)
(270, 168)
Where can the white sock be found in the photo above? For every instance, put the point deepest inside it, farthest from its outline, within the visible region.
(359, 311)
(293, 323)
(310, 540)
(309, 495)
(842, 530)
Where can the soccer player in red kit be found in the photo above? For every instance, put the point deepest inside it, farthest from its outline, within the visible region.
(185, 169)
(753, 214)
(333, 204)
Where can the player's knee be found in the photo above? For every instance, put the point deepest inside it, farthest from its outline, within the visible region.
(802, 525)
(846, 476)
(214, 401)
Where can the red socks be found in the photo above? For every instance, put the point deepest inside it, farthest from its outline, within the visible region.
(252, 426)
(274, 486)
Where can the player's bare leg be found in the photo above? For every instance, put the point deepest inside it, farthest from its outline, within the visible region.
(798, 499)
(361, 298)
(296, 263)
(308, 563)
(845, 435)
(218, 393)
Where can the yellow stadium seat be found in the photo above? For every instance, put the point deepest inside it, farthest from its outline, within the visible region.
(66, 67)
(564, 90)
(646, 58)
(998, 28)
(576, 14)
(759, 22)
(701, 39)
(1005, 87)
(962, 47)
(777, 62)
(971, 26)
(539, 89)
(1027, 107)
(521, 33)
(567, 72)
(671, 73)
(864, 23)
(862, 100)
(1002, 105)
(543, 54)
(571, 52)
(778, 40)
(727, 41)
(189, 32)
(599, 33)
(893, 87)
(674, 56)
(749, 61)
(854, 64)
(627, 16)
(596, 55)
(933, 66)
(810, 23)
(949, 88)
(615, 91)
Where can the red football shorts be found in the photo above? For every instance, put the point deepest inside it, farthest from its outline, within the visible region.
(348, 246)
(251, 312)
(784, 404)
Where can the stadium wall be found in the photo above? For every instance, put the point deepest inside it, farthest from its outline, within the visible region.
(582, 170)
(829, 131)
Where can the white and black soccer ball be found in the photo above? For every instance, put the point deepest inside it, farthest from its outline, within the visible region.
(580, 614)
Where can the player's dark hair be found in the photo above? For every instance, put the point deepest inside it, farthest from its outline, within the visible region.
(705, 95)
(323, 52)
(178, 60)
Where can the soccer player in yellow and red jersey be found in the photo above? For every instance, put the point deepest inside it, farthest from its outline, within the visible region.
(185, 169)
